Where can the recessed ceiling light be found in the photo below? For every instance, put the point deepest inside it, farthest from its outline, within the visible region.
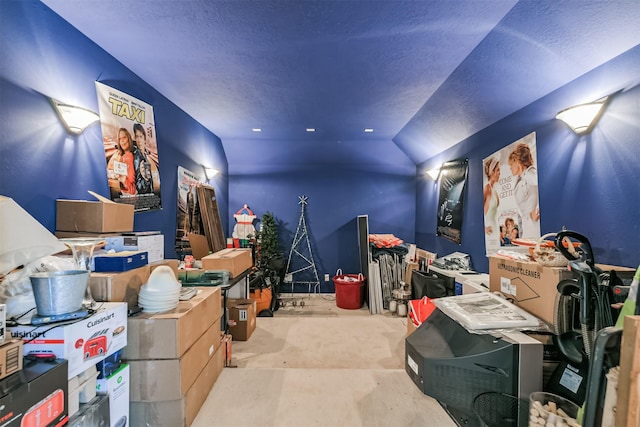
(368, 130)
(256, 130)
(311, 129)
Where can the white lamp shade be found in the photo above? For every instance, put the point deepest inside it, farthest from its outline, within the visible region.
(581, 118)
(22, 238)
(75, 119)
(433, 173)
(210, 172)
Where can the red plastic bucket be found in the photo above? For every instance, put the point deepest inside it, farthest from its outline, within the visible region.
(349, 290)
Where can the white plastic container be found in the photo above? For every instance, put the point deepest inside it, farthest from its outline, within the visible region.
(74, 396)
(87, 388)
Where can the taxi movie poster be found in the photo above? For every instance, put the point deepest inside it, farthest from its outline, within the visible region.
(130, 149)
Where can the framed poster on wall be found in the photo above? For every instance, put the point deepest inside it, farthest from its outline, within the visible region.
(453, 178)
(510, 187)
(130, 149)
(188, 218)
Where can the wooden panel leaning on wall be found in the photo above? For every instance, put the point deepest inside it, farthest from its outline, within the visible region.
(628, 402)
(211, 217)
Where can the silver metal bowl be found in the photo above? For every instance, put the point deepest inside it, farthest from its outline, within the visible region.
(59, 292)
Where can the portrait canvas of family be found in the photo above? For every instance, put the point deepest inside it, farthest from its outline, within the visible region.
(130, 149)
(510, 190)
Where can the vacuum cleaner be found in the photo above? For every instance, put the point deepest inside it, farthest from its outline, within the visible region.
(583, 328)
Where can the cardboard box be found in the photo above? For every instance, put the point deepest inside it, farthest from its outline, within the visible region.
(234, 260)
(409, 272)
(120, 261)
(199, 245)
(242, 318)
(170, 379)
(73, 235)
(119, 287)
(180, 412)
(83, 343)
(10, 358)
(36, 397)
(117, 387)
(421, 258)
(169, 335)
(109, 365)
(95, 217)
(410, 326)
(530, 285)
(152, 244)
(226, 342)
(628, 390)
(471, 282)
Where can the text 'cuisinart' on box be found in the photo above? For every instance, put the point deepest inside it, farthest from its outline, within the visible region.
(83, 343)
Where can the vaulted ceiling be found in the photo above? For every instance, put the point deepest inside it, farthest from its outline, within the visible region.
(423, 74)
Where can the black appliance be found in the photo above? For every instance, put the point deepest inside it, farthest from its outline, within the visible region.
(455, 366)
(431, 284)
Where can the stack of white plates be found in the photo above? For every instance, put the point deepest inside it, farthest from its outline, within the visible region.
(161, 292)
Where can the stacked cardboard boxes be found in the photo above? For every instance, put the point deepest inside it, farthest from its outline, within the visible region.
(174, 360)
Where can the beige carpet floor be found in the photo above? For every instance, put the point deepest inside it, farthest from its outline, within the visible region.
(320, 365)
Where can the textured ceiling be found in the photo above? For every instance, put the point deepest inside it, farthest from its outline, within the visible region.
(424, 74)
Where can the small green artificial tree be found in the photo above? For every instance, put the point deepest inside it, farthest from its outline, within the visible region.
(269, 248)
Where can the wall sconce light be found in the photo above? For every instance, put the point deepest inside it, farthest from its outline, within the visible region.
(75, 119)
(433, 173)
(582, 118)
(210, 172)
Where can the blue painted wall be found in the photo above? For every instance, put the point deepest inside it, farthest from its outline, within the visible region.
(341, 180)
(43, 56)
(589, 184)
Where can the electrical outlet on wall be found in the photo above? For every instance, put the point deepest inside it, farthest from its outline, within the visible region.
(326, 277)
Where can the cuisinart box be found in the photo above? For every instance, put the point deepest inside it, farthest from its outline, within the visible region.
(83, 343)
